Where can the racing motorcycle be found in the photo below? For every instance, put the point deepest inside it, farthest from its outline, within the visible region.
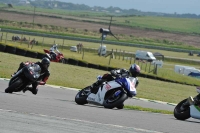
(23, 78)
(59, 57)
(189, 107)
(110, 94)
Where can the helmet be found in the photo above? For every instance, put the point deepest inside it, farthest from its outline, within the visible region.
(45, 63)
(134, 70)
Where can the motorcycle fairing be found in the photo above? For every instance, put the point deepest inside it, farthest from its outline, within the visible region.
(99, 96)
(128, 84)
(195, 111)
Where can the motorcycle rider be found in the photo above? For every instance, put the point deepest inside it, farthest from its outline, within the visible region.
(133, 71)
(44, 65)
(52, 51)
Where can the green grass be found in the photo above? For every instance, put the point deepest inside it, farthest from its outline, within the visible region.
(147, 109)
(167, 72)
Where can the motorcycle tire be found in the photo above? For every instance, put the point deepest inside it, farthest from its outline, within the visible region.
(81, 98)
(120, 106)
(110, 104)
(181, 115)
(12, 87)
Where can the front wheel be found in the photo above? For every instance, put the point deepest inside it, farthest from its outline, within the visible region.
(81, 96)
(182, 114)
(115, 101)
(14, 86)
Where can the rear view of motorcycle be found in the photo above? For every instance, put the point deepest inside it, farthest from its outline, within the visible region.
(110, 94)
(23, 78)
(58, 58)
(189, 107)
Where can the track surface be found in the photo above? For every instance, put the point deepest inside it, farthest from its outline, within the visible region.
(54, 110)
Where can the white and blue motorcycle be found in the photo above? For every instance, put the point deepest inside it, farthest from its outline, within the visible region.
(110, 94)
(189, 107)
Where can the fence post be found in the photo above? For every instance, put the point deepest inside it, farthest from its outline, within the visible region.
(1, 37)
(123, 56)
(149, 66)
(155, 69)
(119, 53)
(116, 54)
(21, 39)
(141, 64)
(146, 67)
(110, 57)
(43, 41)
(6, 37)
(63, 44)
(83, 54)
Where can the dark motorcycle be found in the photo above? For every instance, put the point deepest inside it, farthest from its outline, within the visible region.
(23, 78)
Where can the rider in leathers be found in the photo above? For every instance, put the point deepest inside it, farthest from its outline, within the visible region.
(44, 65)
(52, 51)
(133, 71)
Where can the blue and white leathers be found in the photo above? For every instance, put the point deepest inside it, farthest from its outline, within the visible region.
(127, 83)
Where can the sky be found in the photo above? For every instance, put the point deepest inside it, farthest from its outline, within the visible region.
(162, 6)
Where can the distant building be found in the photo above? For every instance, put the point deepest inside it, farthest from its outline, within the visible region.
(117, 11)
(24, 2)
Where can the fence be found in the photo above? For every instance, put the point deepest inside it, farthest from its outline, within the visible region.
(32, 41)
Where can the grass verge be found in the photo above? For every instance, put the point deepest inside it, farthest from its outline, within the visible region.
(147, 109)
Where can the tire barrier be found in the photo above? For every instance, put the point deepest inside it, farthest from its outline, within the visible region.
(2, 47)
(31, 54)
(72, 61)
(10, 49)
(111, 68)
(90, 65)
(103, 68)
(40, 55)
(21, 52)
(83, 64)
(66, 60)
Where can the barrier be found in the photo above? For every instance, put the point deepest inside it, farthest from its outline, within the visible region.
(31, 54)
(21, 52)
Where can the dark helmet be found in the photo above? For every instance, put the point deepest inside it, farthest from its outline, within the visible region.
(45, 62)
(134, 70)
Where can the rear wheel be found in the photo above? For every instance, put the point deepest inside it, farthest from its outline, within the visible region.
(115, 101)
(14, 85)
(181, 114)
(81, 96)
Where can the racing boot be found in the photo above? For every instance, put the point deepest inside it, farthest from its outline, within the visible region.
(94, 87)
(34, 91)
(191, 100)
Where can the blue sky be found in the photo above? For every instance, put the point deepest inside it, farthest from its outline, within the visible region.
(163, 6)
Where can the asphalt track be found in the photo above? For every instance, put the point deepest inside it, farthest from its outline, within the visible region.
(53, 110)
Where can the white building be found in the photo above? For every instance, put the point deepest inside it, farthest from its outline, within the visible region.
(24, 2)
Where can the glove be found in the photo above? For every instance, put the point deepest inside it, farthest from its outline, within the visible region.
(113, 72)
(41, 82)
